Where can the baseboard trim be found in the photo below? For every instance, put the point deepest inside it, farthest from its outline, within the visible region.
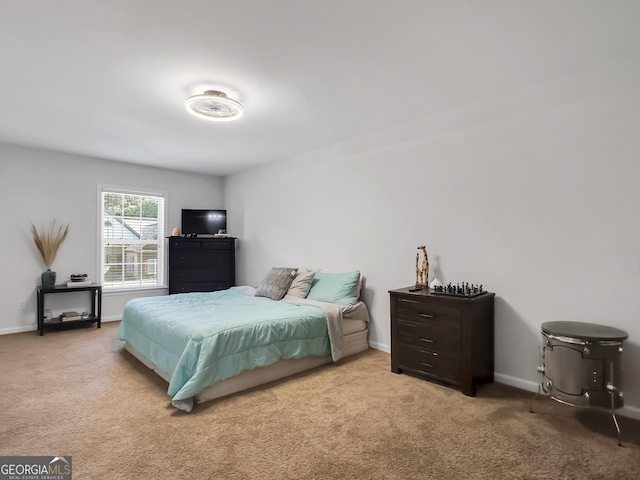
(380, 346)
(528, 385)
(26, 328)
(34, 327)
(520, 383)
(631, 412)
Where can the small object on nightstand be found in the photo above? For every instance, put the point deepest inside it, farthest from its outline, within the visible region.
(78, 280)
(422, 274)
(459, 290)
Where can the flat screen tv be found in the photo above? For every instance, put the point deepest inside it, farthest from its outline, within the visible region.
(203, 222)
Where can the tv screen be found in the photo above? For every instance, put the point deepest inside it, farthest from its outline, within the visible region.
(203, 222)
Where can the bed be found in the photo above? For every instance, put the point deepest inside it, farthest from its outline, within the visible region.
(207, 345)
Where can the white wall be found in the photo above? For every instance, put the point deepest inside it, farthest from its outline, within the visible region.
(38, 186)
(533, 194)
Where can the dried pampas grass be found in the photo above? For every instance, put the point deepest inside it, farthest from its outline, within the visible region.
(49, 241)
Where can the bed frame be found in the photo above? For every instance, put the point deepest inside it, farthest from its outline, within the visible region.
(354, 342)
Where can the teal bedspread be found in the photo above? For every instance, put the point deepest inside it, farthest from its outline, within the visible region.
(200, 339)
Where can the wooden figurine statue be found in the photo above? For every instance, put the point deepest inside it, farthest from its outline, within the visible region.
(422, 274)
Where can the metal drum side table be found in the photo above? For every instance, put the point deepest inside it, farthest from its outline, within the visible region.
(582, 364)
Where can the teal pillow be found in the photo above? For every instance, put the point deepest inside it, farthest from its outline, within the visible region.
(335, 287)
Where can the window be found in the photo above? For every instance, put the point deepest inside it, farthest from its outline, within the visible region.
(131, 239)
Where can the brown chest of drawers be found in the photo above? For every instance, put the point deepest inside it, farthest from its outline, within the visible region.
(442, 338)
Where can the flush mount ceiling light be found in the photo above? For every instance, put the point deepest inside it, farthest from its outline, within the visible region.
(214, 105)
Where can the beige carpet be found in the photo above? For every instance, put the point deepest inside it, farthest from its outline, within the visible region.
(78, 393)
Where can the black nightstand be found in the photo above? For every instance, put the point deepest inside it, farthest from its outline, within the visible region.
(443, 338)
(56, 323)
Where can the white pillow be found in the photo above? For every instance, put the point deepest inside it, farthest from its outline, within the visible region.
(301, 284)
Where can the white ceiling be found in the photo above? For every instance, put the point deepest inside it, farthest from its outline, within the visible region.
(109, 78)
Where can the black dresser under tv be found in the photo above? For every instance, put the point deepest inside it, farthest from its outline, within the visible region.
(201, 264)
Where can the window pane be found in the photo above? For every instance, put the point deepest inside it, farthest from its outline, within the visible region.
(149, 229)
(112, 253)
(112, 204)
(131, 205)
(111, 220)
(149, 207)
(149, 219)
(113, 275)
(150, 252)
(150, 267)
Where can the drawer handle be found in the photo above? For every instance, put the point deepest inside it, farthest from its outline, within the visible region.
(426, 315)
(405, 300)
(433, 354)
(426, 340)
(426, 364)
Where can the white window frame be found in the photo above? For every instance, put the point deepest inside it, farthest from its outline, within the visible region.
(159, 241)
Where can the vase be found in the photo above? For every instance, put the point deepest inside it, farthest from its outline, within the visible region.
(48, 278)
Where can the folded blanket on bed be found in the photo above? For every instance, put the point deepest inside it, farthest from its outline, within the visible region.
(200, 339)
